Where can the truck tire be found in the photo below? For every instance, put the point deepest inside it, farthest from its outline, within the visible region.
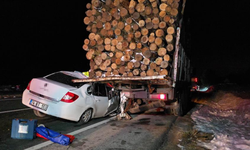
(183, 102)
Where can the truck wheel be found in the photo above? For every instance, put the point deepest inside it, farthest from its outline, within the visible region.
(38, 113)
(183, 100)
(86, 116)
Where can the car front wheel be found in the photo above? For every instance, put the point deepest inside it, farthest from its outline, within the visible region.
(86, 116)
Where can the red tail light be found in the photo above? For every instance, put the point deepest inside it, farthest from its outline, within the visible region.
(158, 96)
(194, 80)
(28, 87)
(162, 96)
(69, 97)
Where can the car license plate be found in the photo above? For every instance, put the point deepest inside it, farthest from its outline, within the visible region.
(38, 105)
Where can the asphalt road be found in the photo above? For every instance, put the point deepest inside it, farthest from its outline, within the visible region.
(144, 131)
(13, 108)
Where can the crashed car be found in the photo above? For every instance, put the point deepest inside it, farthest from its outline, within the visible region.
(58, 96)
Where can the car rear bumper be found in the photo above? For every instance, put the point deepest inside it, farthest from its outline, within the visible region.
(68, 111)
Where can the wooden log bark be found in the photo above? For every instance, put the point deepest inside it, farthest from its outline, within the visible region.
(144, 31)
(118, 54)
(162, 51)
(162, 14)
(150, 72)
(167, 58)
(85, 47)
(136, 72)
(137, 64)
(123, 12)
(146, 61)
(159, 33)
(170, 47)
(153, 47)
(144, 67)
(114, 66)
(170, 30)
(141, 23)
(122, 70)
(163, 6)
(163, 72)
(140, 7)
(119, 46)
(130, 38)
(144, 39)
(98, 60)
(169, 38)
(143, 74)
(164, 64)
(152, 65)
(151, 38)
(158, 61)
(132, 4)
(130, 65)
(138, 57)
(147, 53)
(158, 41)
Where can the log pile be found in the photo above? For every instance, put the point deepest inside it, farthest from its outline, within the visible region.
(130, 37)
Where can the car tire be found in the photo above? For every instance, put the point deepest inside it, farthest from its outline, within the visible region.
(38, 113)
(86, 116)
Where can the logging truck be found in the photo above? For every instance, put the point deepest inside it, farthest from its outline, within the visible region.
(135, 45)
(158, 91)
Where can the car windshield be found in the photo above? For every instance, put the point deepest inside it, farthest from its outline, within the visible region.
(64, 78)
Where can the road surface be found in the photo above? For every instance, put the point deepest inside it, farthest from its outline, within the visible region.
(144, 131)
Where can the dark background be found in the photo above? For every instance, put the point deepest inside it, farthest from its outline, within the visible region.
(40, 37)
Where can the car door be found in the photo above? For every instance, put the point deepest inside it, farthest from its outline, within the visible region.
(113, 99)
(100, 99)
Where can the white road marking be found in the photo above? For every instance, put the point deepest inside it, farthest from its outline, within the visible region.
(9, 111)
(10, 99)
(44, 144)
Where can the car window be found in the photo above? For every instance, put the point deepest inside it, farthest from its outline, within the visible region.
(99, 90)
(63, 78)
(89, 90)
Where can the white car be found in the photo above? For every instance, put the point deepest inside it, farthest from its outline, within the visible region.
(57, 95)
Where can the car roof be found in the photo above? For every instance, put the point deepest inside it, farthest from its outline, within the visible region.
(75, 74)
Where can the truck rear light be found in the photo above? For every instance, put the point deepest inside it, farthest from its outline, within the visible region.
(195, 80)
(162, 96)
(69, 97)
(158, 96)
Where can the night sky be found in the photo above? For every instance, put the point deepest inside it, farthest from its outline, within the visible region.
(40, 37)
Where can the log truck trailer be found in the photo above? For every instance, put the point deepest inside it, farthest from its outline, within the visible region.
(163, 91)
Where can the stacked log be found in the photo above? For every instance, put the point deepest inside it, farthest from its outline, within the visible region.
(130, 37)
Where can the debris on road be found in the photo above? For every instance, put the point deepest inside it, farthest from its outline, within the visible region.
(54, 136)
(23, 128)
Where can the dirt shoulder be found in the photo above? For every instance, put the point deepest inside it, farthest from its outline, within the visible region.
(182, 135)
